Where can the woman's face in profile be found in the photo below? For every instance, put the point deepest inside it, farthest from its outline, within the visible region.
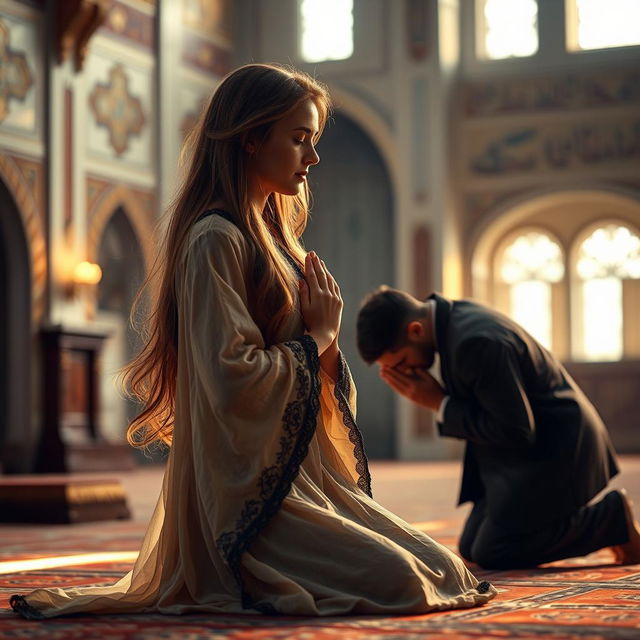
(281, 163)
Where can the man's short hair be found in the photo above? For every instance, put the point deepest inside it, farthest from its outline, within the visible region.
(382, 318)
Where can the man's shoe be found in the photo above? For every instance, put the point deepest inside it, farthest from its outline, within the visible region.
(629, 552)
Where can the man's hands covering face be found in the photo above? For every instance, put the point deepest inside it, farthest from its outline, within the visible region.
(420, 387)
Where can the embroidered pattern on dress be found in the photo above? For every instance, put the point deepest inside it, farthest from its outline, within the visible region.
(298, 426)
(342, 390)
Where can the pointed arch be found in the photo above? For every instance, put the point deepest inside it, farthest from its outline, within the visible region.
(23, 196)
(114, 198)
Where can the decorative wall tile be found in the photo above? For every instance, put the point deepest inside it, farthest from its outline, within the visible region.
(19, 52)
(119, 101)
(127, 23)
(117, 110)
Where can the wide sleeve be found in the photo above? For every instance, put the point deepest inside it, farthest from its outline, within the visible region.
(495, 409)
(248, 410)
(338, 402)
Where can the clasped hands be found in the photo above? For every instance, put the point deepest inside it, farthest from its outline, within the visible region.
(418, 385)
(320, 302)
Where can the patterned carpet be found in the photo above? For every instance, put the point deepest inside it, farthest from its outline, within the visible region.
(587, 598)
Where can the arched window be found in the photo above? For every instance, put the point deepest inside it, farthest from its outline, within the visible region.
(601, 24)
(528, 266)
(605, 259)
(326, 29)
(507, 28)
(595, 300)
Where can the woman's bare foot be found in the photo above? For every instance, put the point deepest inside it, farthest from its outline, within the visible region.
(629, 552)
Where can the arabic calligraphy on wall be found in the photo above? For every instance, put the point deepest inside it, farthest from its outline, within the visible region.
(553, 147)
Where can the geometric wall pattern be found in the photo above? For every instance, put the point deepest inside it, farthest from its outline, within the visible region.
(117, 110)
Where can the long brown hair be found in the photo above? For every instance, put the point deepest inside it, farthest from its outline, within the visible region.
(247, 103)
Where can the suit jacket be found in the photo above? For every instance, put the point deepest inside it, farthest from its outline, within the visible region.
(537, 449)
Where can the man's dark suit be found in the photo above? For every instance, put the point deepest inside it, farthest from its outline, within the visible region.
(537, 450)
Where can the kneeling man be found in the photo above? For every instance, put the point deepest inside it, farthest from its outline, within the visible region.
(537, 451)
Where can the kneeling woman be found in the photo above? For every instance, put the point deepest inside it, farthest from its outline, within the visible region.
(266, 503)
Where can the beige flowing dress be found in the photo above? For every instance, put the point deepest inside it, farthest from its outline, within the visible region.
(266, 503)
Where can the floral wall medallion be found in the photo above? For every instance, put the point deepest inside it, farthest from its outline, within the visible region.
(117, 110)
(15, 76)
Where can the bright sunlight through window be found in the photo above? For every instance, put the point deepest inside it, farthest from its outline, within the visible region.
(530, 264)
(601, 24)
(609, 255)
(327, 29)
(509, 28)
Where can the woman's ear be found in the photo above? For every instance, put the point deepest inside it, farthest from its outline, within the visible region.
(250, 148)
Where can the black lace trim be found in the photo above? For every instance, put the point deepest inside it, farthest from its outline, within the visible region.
(21, 606)
(483, 586)
(294, 265)
(342, 390)
(299, 423)
(221, 212)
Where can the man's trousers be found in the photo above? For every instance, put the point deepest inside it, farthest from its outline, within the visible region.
(590, 528)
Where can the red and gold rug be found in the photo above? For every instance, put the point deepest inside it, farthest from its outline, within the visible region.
(586, 599)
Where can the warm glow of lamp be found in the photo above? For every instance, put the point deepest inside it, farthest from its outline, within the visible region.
(87, 273)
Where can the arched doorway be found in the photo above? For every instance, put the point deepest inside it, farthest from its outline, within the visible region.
(352, 229)
(122, 263)
(15, 340)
